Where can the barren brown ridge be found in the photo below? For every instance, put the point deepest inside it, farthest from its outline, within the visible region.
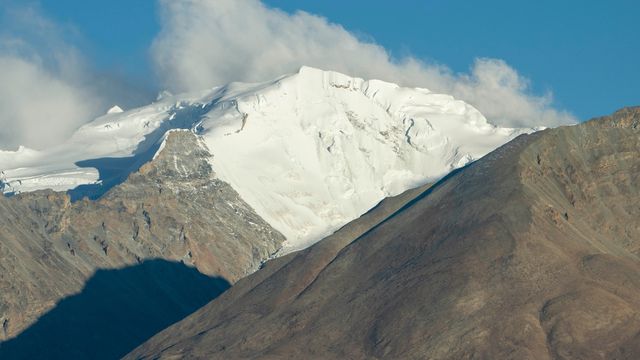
(528, 253)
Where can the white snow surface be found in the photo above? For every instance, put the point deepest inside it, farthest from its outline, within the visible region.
(309, 151)
(115, 110)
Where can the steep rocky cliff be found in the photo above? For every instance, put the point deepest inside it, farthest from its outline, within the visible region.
(174, 208)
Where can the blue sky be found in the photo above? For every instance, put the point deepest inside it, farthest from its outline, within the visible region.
(587, 53)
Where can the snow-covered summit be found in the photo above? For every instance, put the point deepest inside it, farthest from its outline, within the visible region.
(115, 110)
(309, 151)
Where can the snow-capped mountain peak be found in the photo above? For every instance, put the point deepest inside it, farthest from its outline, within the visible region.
(309, 151)
(115, 110)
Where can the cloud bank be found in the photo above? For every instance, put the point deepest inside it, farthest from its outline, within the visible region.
(42, 94)
(47, 87)
(38, 108)
(204, 43)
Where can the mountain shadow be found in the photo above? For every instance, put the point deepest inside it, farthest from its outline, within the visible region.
(116, 311)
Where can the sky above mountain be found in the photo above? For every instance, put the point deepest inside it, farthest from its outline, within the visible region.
(521, 64)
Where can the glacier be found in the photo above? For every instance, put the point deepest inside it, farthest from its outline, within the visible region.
(309, 151)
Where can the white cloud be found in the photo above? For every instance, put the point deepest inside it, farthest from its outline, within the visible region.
(38, 108)
(47, 88)
(43, 95)
(503, 95)
(204, 43)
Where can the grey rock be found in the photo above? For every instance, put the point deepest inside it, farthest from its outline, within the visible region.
(173, 208)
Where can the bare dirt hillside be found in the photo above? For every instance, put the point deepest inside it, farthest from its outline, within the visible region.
(528, 253)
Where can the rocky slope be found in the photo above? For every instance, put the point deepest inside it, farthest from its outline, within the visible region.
(174, 208)
(529, 253)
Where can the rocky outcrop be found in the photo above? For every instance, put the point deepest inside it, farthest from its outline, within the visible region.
(173, 208)
(529, 253)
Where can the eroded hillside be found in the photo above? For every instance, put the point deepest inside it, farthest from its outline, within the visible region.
(528, 253)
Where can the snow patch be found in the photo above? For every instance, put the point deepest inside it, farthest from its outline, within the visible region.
(115, 110)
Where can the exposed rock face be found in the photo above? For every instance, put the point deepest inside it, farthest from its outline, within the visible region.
(528, 253)
(173, 208)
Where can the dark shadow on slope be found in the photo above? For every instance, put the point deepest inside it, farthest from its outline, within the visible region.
(113, 171)
(116, 311)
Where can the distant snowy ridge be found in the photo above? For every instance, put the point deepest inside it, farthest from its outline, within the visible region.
(309, 151)
(115, 110)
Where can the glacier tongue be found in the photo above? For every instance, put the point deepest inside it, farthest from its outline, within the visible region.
(309, 152)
